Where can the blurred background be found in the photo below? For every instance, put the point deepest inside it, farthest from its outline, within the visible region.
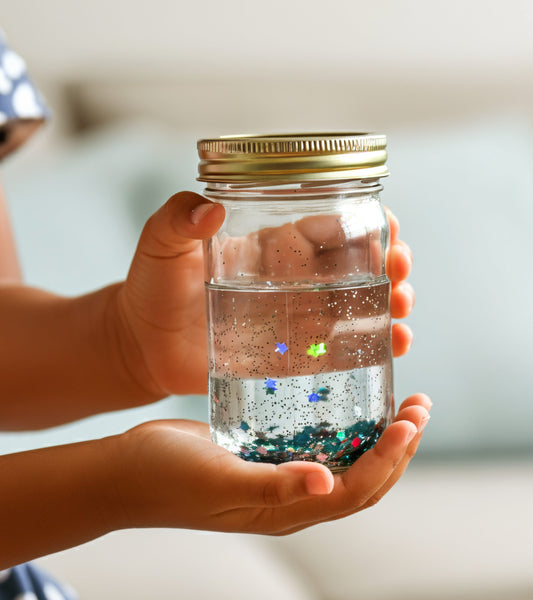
(133, 85)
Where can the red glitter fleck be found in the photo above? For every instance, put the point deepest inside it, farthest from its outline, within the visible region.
(356, 441)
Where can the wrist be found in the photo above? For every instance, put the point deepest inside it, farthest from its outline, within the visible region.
(125, 354)
(114, 459)
(127, 498)
(75, 501)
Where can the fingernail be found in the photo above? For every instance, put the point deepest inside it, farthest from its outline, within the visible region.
(423, 423)
(407, 289)
(406, 251)
(198, 213)
(316, 485)
(412, 432)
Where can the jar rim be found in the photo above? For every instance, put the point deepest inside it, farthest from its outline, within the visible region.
(292, 157)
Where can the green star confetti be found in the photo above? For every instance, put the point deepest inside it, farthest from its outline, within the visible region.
(317, 349)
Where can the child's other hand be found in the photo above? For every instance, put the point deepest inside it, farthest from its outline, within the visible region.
(158, 320)
(398, 267)
(169, 474)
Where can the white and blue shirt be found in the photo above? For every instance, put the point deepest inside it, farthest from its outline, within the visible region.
(22, 108)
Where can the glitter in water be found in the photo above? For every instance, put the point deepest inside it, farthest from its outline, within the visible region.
(317, 349)
(356, 442)
(341, 435)
(281, 348)
(321, 457)
(244, 426)
(348, 368)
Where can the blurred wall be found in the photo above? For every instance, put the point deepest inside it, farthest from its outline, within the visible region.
(346, 38)
(398, 61)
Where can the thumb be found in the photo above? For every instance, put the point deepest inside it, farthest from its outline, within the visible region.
(266, 485)
(178, 225)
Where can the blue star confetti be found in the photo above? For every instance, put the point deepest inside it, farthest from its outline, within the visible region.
(281, 348)
(322, 395)
(270, 386)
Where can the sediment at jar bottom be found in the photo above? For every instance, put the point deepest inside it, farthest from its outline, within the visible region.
(336, 449)
(329, 417)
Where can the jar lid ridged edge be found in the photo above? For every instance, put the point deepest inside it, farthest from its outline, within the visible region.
(248, 157)
(292, 144)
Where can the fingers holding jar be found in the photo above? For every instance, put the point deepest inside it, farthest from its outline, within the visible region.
(398, 266)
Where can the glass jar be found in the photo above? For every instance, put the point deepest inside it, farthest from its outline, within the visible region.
(299, 329)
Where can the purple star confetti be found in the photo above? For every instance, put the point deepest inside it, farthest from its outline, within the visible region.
(281, 348)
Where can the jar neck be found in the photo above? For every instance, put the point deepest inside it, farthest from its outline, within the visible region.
(296, 190)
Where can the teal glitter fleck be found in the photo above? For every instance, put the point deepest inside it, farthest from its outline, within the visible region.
(323, 392)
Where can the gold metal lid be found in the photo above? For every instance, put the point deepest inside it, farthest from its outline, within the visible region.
(292, 157)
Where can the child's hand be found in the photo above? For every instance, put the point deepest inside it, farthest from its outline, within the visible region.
(170, 475)
(158, 318)
(398, 267)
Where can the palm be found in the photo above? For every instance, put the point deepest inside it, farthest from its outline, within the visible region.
(181, 479)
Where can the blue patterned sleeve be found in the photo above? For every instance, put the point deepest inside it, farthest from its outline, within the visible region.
(22, 108)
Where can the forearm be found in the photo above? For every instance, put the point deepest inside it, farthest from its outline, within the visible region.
(61, 359)
(55, 498)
